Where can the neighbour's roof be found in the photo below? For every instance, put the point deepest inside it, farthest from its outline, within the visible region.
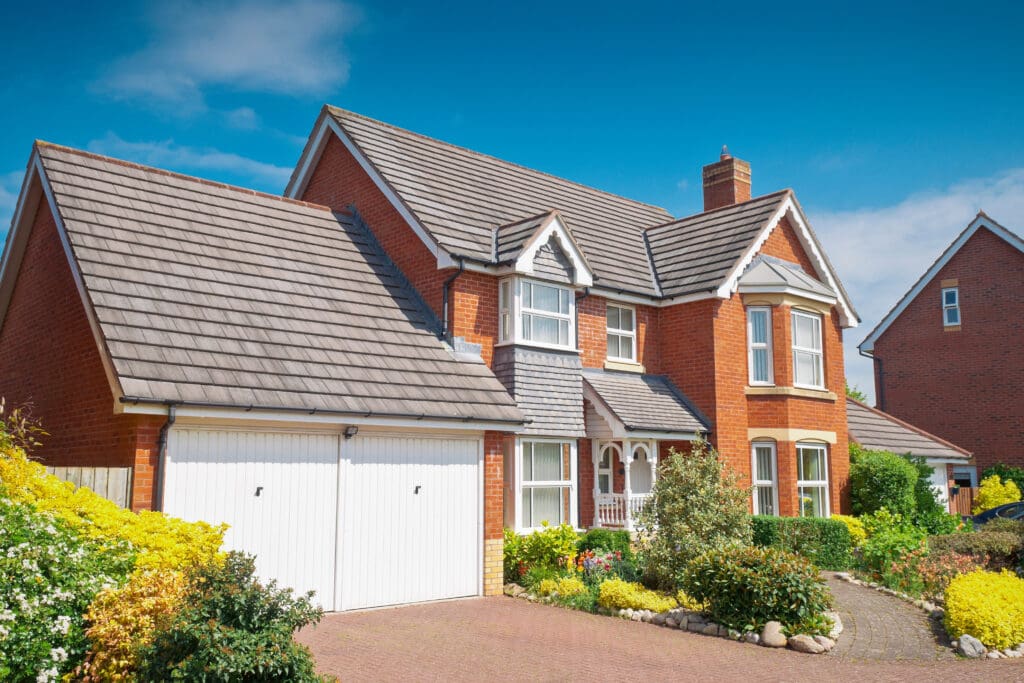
(646, 402)
(696, 254)
(212, 294)
(875, 429)
(770, 273)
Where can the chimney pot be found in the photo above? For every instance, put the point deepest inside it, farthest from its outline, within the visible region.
(726, 182)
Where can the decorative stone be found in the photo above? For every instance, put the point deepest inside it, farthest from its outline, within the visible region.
(969, 646)
(826, 643)
(710, 630)
(751, 637)
(670, 622)
(805, 643)
(772, 635)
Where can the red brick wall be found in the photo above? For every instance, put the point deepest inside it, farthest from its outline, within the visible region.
(49, 359)
(965, 386)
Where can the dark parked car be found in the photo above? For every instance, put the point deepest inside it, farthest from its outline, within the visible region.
(1008, 511)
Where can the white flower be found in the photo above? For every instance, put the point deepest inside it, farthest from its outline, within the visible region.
(59, 654)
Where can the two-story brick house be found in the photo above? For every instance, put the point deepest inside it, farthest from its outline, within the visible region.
(949, 358)
(619, 330)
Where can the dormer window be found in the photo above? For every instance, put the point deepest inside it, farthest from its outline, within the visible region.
(621, 323)
(536, 313)
(951, 306)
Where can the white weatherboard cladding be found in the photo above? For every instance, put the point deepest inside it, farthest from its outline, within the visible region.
(399, 543)
(213, 475)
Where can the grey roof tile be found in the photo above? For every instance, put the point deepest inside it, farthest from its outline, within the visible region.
(875, 429)
(211, 294)
(646, 402)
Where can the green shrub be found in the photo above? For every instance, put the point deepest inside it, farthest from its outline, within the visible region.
(695, 506)
(1005, 473)
(233, 628)
(607, 539)
(825, 542)
(743, 588)
(881, 479)
(995, 549)
(890, 538)
(994, 492)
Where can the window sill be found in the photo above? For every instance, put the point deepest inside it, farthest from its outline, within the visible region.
(820, 394)
(623, 366)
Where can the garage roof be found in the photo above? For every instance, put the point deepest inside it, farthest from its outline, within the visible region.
(215, 295)
(875, 429)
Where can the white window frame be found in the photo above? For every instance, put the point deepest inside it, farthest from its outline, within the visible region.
(818, 354)
(955, 306)
(515, 310)
(619, 332)
(812, 483)
(764, 483)
(767, 345)
(569, 483)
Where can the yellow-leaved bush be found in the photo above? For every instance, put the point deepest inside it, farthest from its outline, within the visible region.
(987, 605)
(123, 620)
(858, 534)
(619, 594)
(161, 541)
(994, 492)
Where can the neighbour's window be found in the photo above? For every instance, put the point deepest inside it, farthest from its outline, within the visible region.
(621, 333)
(765, 489)
(807, 357)
(546, 313)
(759, 345)
(951, 306)
(812, 480)
(546, 483)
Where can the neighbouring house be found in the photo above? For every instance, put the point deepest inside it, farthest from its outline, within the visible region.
(417, 346)
(876, 430)
(949, 356)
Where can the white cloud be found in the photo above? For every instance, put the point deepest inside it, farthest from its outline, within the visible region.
(881, 252)
(292, 47)
(167, 154)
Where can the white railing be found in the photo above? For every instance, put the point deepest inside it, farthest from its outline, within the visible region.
(612, 509)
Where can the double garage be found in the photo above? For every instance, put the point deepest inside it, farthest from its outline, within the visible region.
(367, 521)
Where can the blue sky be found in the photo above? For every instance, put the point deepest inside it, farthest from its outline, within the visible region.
(894, 125)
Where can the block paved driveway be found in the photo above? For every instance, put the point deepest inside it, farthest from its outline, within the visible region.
(502, 638)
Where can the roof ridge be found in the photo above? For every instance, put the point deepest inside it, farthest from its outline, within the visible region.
(334, 109)
(720, 209)
(909, 426)
(183, 176)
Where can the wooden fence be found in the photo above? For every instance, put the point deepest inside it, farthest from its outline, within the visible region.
(113, 483)
(961, 502)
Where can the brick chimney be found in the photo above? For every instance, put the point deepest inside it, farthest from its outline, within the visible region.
(726, 182)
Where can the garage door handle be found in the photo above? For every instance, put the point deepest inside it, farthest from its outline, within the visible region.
(416, 490)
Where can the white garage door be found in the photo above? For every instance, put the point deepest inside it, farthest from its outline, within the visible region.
(407, 527)
(276, 490)
(410, 520)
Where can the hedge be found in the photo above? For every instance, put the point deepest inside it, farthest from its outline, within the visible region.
(825, 542)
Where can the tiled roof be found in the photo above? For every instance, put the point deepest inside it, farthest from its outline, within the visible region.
(875, 429)
(461, 197)
(696, 254)
(211, 294)
(646, 402)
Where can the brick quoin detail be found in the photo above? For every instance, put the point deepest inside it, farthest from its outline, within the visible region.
(966, 386)
(49, 360)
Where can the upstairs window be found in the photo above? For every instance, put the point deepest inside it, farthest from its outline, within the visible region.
(536, 313)
(621, 333)
(951, 306)
(808, 369)
(759, 345)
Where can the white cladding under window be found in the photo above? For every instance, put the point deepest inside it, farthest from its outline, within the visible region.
(621, 323)
(951, 306)
(807, 356)
(759, 345)
(812, 480)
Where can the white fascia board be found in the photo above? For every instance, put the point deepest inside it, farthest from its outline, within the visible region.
(83, 293)
(802, 293)
(868, 345)
(554, 226)
(264, 415)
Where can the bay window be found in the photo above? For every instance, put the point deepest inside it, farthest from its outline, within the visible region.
(759, 345)
(546, 489)
(621, 329)
(812, 480)
(536, 313)
(808, 368)
(763, 468)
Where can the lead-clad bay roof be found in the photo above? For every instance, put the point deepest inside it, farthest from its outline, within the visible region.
(211, 294)
(645, 402)
(877, 430)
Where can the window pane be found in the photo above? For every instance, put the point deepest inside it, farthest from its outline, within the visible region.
(760, 358)
(758, 327)
(764, 463)
(952, 316)
(812, 501)
(547, 462)
(547, 298)
(765, 500)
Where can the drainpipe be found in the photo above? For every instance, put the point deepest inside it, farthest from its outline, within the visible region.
(161, 447)
(880, 384)
(446, 294)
